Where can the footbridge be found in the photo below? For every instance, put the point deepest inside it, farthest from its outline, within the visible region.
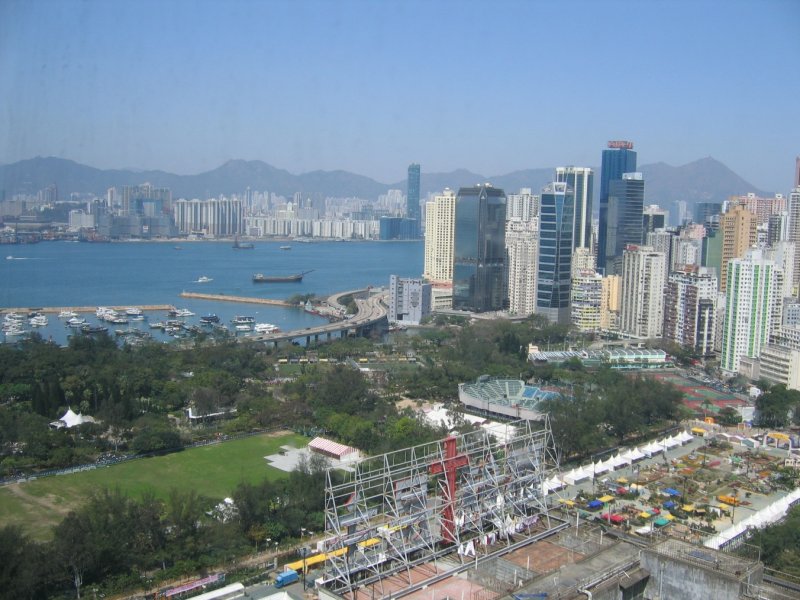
(371, 315)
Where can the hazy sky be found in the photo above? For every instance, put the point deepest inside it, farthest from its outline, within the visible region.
(372, 86)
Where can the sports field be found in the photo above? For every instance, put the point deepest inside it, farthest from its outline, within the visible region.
(213, 471)
(695, 393)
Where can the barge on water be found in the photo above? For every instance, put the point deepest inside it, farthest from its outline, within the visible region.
(297, 277)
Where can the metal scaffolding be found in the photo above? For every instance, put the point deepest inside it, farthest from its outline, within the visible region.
(476, 494)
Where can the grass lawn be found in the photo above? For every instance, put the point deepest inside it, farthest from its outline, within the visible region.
(213, 471)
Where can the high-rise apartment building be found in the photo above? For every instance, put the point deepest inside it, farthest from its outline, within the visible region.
(523, 206)
(738, 229)
(586, 299)
(215, 217)
(610, 302)
(522, 248)
(555, 252)
(624, 218)
(583, 260)
(412, 196)
(690, 309)
(644, 274)
(479, 249)
(750, 306)
(794, 235)
(440, 216)
(581, 181)
(761, 207)
(618, 158)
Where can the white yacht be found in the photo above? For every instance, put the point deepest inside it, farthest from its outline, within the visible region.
(38, 321)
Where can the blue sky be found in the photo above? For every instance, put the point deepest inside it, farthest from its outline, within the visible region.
(372, 86)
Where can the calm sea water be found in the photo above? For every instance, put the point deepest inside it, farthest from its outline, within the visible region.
(78, 274)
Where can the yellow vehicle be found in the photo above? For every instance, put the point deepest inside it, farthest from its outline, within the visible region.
(729, 500)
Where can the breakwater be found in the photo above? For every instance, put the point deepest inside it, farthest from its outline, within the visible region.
(241, 299)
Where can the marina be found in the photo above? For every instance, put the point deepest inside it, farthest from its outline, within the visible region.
(57, 277)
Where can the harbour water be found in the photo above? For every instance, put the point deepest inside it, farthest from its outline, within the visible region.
(62, 274)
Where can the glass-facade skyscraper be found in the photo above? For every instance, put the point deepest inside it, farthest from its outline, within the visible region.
(556, 229)
(624, 226)
(479, 269)
(618, 159)
(412, 198)
(581, 181)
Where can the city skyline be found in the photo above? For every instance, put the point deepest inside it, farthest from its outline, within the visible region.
(370, 88)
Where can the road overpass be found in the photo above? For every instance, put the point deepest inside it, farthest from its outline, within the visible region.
(371, 314)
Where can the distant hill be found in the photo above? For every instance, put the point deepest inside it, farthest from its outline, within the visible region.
(702, 180)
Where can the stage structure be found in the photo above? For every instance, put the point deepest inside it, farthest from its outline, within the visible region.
(475, 494)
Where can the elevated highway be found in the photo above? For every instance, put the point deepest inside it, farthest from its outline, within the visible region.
(371, 314)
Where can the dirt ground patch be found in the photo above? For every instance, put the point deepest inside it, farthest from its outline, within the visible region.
(47, 502)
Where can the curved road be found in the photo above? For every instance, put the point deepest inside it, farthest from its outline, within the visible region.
(370, 310)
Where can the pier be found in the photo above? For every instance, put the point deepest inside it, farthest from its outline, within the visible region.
(86, 309)
(242, 299)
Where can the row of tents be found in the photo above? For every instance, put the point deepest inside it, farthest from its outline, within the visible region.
(767, 515)
(618, 461)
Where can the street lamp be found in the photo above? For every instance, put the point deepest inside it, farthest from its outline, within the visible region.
(304, 553)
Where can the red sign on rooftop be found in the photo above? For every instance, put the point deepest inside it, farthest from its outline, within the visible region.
(621, 144)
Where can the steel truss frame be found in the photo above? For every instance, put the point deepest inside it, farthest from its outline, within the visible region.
(391, 512)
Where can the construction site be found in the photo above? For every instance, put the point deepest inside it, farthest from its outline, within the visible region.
(471, 517)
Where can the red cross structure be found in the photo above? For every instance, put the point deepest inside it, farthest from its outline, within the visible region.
(449, 465)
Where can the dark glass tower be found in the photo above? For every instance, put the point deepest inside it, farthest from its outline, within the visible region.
(624, 219)
(479, 249)
(580, 180)
(556, 230)
(618, 158)
(412, 198)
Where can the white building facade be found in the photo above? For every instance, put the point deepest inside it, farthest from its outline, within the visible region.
(644, 274)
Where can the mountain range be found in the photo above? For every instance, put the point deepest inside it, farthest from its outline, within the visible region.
(699, 181)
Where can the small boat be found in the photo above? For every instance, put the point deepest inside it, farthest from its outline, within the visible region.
(184, 312)
(157, 325)
(243, 320)
(14, 330)
(92, 330)
(209, 319)
(285, 247)
(76, 322)
(266, 328)
(295, 278)
(67, 314)
(237, 245)
(133, 311)
(203, 279)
